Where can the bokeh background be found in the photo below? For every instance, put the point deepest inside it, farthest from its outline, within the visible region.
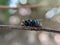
(49, 17)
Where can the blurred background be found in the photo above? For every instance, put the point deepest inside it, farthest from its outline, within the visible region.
(48, 14)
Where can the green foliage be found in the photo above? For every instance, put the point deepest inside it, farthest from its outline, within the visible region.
(7, 14)
(4, 2)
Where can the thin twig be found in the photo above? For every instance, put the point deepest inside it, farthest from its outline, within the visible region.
(13, 27)
(26, 6)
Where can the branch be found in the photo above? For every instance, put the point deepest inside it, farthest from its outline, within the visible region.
(13, 27)
(28, 6)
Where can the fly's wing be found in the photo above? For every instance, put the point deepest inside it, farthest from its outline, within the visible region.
(49, 24)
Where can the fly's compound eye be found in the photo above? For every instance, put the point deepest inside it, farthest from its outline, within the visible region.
(27, 22)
